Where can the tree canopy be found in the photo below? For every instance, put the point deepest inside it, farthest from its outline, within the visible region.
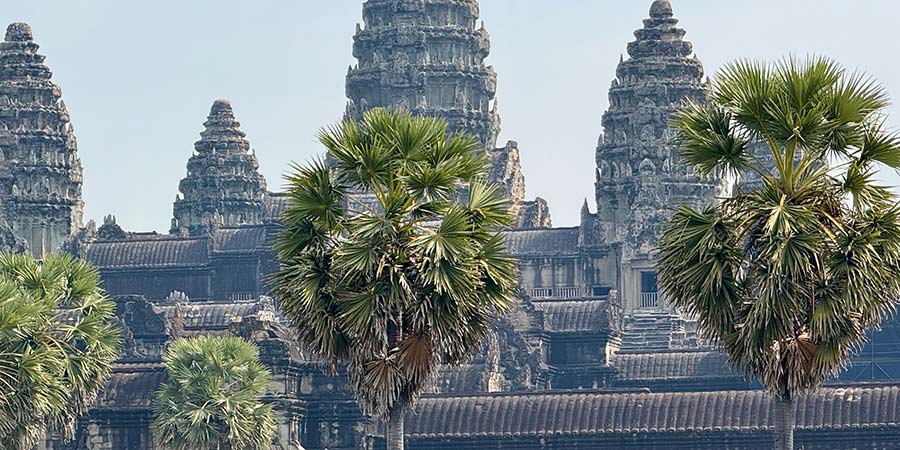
(58, 341)
(212, 399)
(391, 257)
(788, 277)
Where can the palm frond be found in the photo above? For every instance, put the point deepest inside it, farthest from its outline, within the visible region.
(709, 141)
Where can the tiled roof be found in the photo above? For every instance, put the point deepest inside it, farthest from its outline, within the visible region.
(171, 251)
(131, 389)
(243, 239)
(591, 413)
(276, 203)
(573, 316)
(149, 253)
(209, 316)
(539, 242)
(672, 365)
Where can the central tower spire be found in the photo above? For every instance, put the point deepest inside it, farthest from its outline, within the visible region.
(427, 57)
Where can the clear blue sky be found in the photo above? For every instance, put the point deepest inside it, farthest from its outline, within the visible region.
(139, 77)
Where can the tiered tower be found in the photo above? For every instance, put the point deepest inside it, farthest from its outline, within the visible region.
(40, 172)
(223, 184)
(426, 56)
(640, 175)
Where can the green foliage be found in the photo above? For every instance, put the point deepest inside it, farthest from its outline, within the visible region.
(787, 279)
(58, 341)
(212, 398)
(411, 279)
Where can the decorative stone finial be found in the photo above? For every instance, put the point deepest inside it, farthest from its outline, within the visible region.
(661, 9)
(19, 32)
(221, 106)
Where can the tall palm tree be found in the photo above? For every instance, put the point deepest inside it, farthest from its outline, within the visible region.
(788, 278)
(58, 341)
(212, 399)
(391, 262)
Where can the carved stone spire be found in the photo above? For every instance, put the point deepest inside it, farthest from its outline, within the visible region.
(223, 186)
(428, 57)
(640, 175)
(40, 172)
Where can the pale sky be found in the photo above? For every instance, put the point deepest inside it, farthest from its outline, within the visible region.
(139, 77)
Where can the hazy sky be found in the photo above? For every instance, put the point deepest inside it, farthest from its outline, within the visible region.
(139, 77)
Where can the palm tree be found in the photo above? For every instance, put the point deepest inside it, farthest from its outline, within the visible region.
(58, 341)
(212, 399)
(390, 259)
(788, 278)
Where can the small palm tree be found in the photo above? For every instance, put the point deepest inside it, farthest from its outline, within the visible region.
(390, 260)
(788, 278)
(58, 341)
(212, 399)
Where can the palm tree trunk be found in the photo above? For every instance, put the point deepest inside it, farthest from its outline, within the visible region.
(394, 435)
(784, 423)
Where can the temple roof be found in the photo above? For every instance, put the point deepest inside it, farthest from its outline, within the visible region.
(660, 36)
(553, 241)
(276, 204)
(239, 239)
(671, 365)
(160, 252)
(131, 389)
(591, 413)
(157, 252)
(390, 61)
(573, 316)
(209, 316)
(222, 127)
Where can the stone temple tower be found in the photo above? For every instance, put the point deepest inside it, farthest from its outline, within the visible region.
(223, 186)
(640, 175)
(428, 56)
(40, 172)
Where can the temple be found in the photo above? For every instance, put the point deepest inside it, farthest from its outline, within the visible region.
(591, 356)
(40, 172)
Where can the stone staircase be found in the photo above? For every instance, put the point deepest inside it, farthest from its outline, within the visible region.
(654, 330)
